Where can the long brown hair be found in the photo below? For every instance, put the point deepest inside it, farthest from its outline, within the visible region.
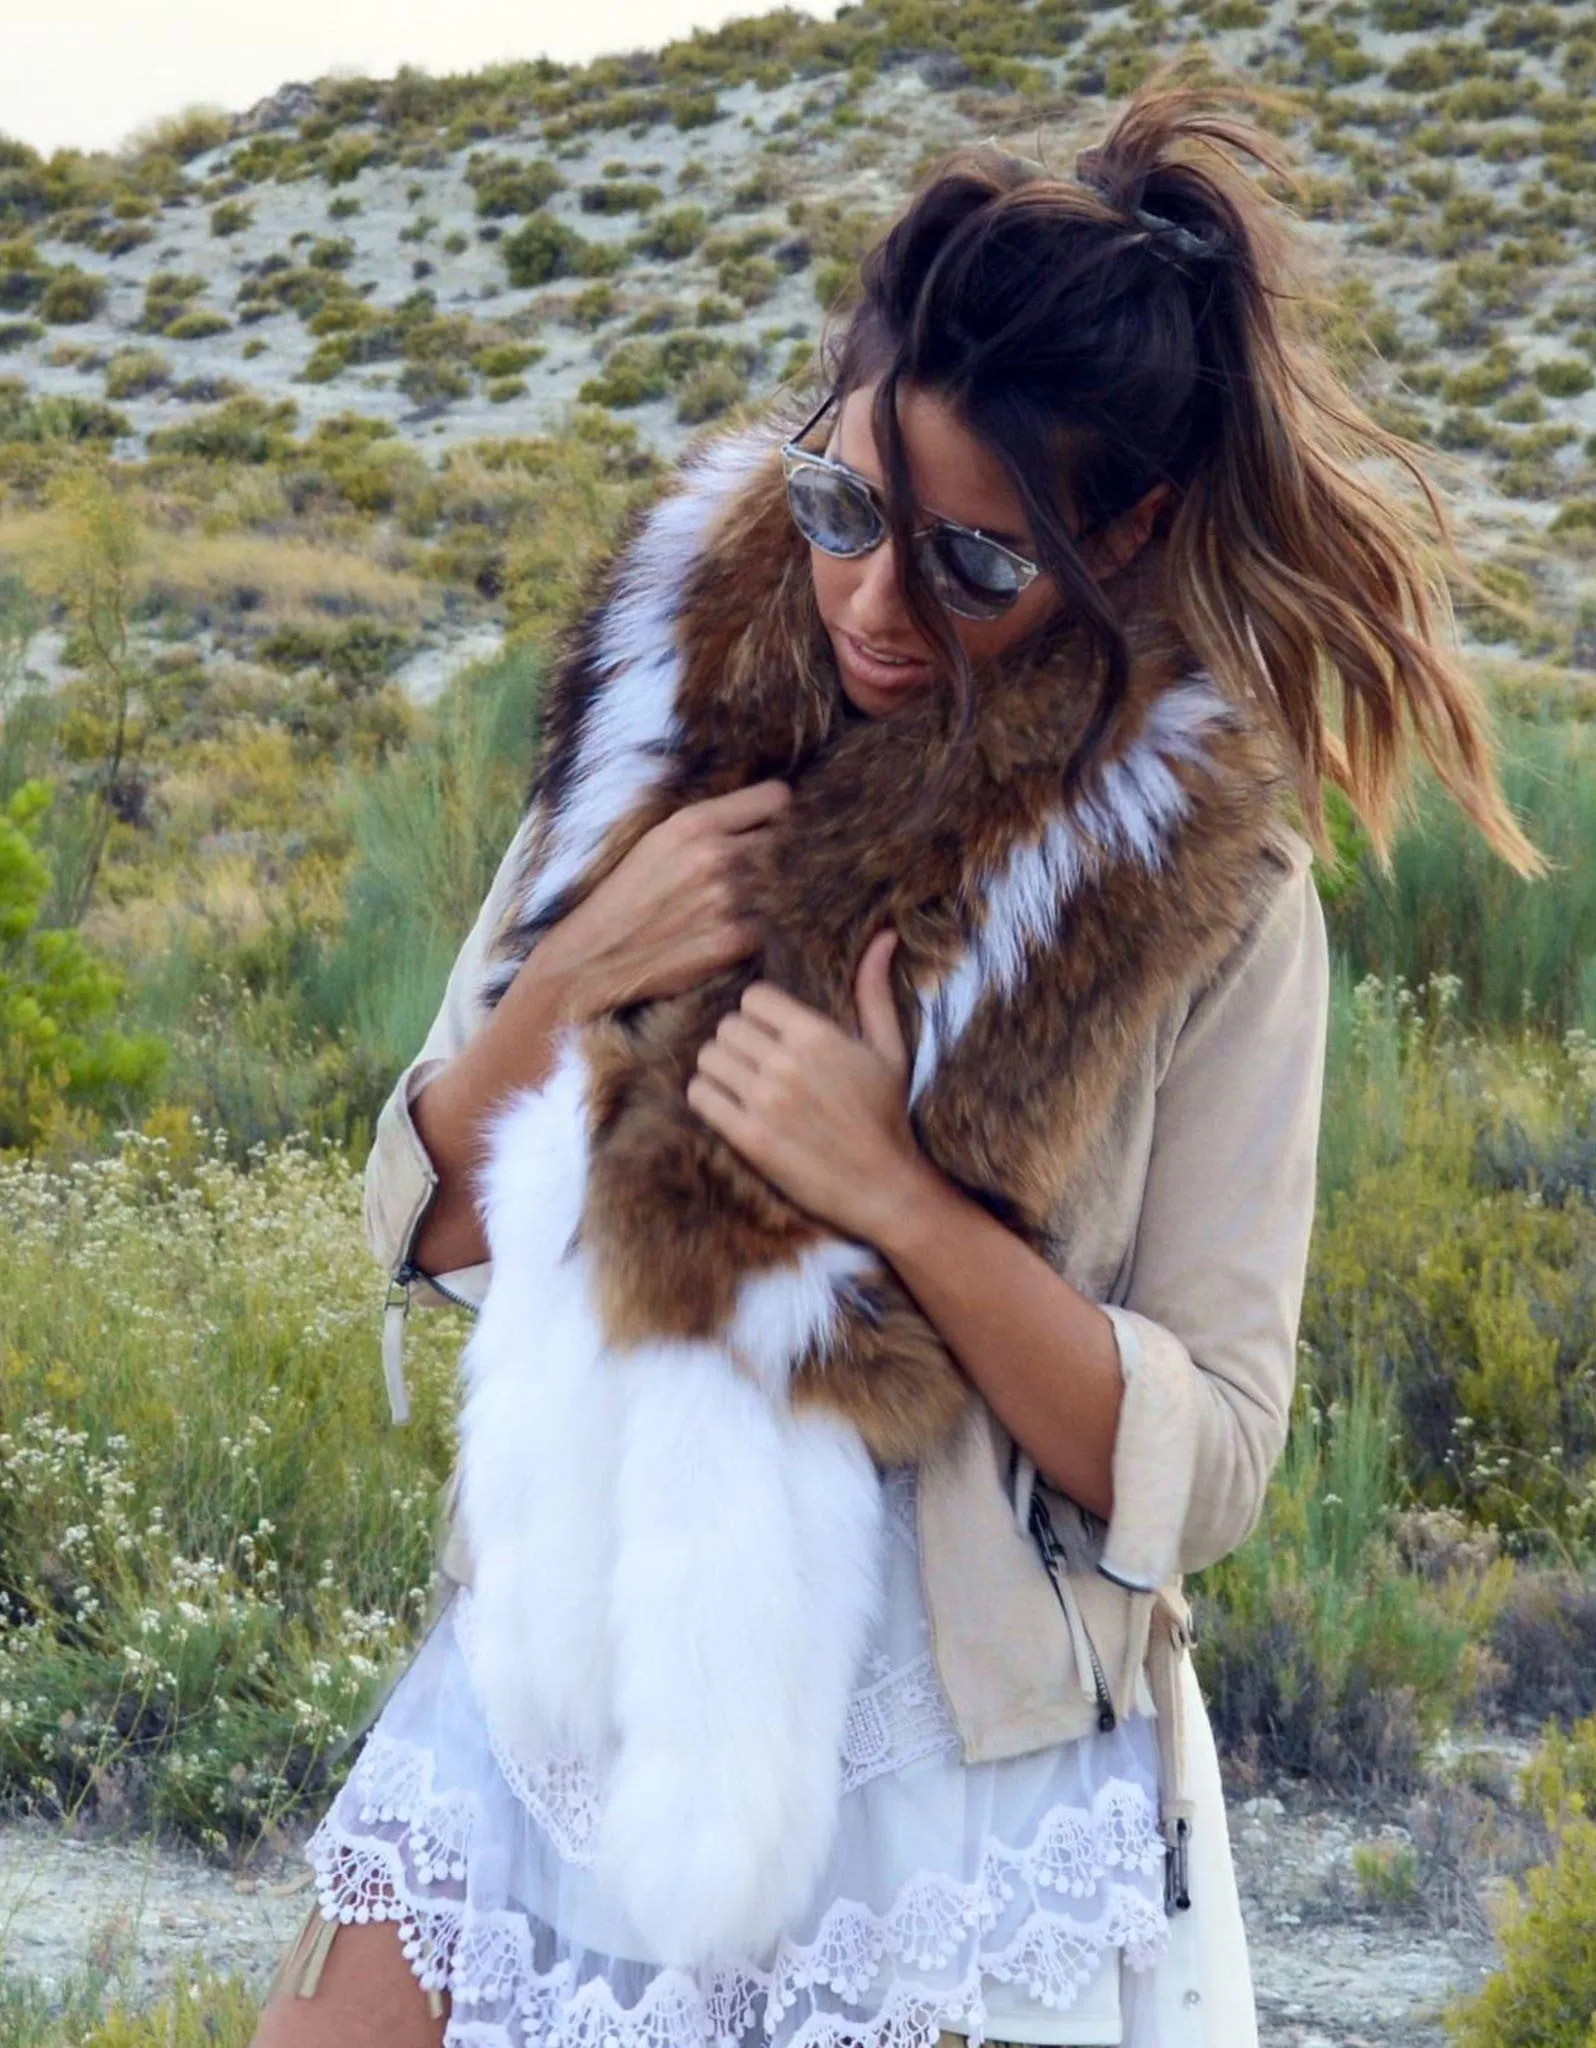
(1141, 322)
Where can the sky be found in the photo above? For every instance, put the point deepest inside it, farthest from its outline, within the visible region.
(91, 72)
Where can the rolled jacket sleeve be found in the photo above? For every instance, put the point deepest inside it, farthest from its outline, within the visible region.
(400, 1179)
(1208, 1326)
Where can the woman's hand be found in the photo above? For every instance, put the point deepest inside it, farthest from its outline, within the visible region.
(669, 915)
(822, 1115)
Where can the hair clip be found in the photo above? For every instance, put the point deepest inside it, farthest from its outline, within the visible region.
(1182, 241)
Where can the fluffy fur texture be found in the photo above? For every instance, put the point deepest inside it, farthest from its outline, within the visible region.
(680, 1384)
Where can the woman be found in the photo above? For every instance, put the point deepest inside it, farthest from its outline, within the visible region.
(1063, 414)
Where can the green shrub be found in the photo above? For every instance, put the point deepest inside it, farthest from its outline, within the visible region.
(506, 358)
(198, 2011)
(1451, 908)
(1545, 1992)
(505, 390)
(753, 279)
(542, 250)
(671, 236)
(619, 196)
(1321, 1653)
(17, 334)
(24, 418)
(245, 429)
(71, 296)
(633, 373)
(434, 383)
(506, 186)
(1454, 1237)
(62, 1053)
(133, 372)
(24, 276)
(248, 1542)
(1495, 373)
(1564, 377)
(197, 325)
(593, 305)
(430, 827)
(711, 389)
(232, 217)
(167, 297)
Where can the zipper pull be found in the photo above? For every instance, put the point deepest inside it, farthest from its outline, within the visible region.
(1177, 1890)
(395, 1310)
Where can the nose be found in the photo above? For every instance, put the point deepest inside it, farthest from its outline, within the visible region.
(876, 612)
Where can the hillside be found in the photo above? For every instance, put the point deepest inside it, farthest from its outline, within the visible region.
(658, 234)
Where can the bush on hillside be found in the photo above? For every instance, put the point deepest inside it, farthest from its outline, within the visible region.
(72, 296)
(60, 1052)
(1544, 1995)
(1466, 1293)
(1322, 1652)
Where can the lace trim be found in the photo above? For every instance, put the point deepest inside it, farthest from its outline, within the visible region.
(392, 1847)
(900, 1720)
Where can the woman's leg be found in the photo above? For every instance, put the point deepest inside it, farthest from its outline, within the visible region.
(361, 1990)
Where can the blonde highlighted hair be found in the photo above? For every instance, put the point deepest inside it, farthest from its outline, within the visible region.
(1142, 321)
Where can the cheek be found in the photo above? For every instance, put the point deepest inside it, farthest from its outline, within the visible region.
(984, 639)
(834, 582)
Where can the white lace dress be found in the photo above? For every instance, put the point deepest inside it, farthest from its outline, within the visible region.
(996, 1900)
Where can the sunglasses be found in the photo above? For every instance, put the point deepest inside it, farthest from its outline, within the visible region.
(840, 512)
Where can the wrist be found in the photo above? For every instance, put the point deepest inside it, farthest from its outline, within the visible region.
(913, 1203)
(559, 978)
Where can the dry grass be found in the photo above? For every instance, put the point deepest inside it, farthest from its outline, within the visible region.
(277, 579)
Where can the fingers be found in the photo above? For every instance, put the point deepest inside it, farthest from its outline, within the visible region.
(778, 1012)
(729, 1073)
(741, 809)
(878, 1013)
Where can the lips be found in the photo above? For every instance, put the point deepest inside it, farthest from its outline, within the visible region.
(886, 675)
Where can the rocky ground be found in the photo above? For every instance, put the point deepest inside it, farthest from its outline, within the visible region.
(1331, 1969)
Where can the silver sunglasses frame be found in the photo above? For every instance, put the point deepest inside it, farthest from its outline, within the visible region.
(793, 457)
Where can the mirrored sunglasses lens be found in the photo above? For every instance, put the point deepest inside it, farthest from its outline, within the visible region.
(971, 576)
(832, 512)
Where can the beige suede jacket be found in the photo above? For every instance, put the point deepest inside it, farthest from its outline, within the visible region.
(1193, 1236)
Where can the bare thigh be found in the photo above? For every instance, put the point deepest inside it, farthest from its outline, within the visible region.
(366, 1997)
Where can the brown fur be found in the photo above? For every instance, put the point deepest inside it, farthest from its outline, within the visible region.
(675, 1219)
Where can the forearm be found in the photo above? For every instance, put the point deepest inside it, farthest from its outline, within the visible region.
(1042, 1353)
(513, 1050)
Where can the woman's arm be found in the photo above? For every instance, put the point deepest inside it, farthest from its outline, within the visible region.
(1043, 1354)
(667, 915)
(825, 1116)
(1164, 1415)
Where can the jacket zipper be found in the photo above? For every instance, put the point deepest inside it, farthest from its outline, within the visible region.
(409, 1273)
(1052, 1557)
(395, 1311)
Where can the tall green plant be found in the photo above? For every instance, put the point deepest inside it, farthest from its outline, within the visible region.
(1319, 1650)
(59, 1048)
(430, 827)
(90, 570)
(1522, 950)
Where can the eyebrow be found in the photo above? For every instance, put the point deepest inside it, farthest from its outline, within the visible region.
(1017, 541)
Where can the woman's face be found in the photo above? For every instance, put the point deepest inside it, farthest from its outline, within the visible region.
(882, 656)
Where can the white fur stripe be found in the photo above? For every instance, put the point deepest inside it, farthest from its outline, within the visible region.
(782, 1312)
(633, 718)
(1129, 818)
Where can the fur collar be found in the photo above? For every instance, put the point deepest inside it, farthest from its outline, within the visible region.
(679, 1387)
(1042, 932)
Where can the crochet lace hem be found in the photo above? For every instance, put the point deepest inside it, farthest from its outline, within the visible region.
(392, 1847)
